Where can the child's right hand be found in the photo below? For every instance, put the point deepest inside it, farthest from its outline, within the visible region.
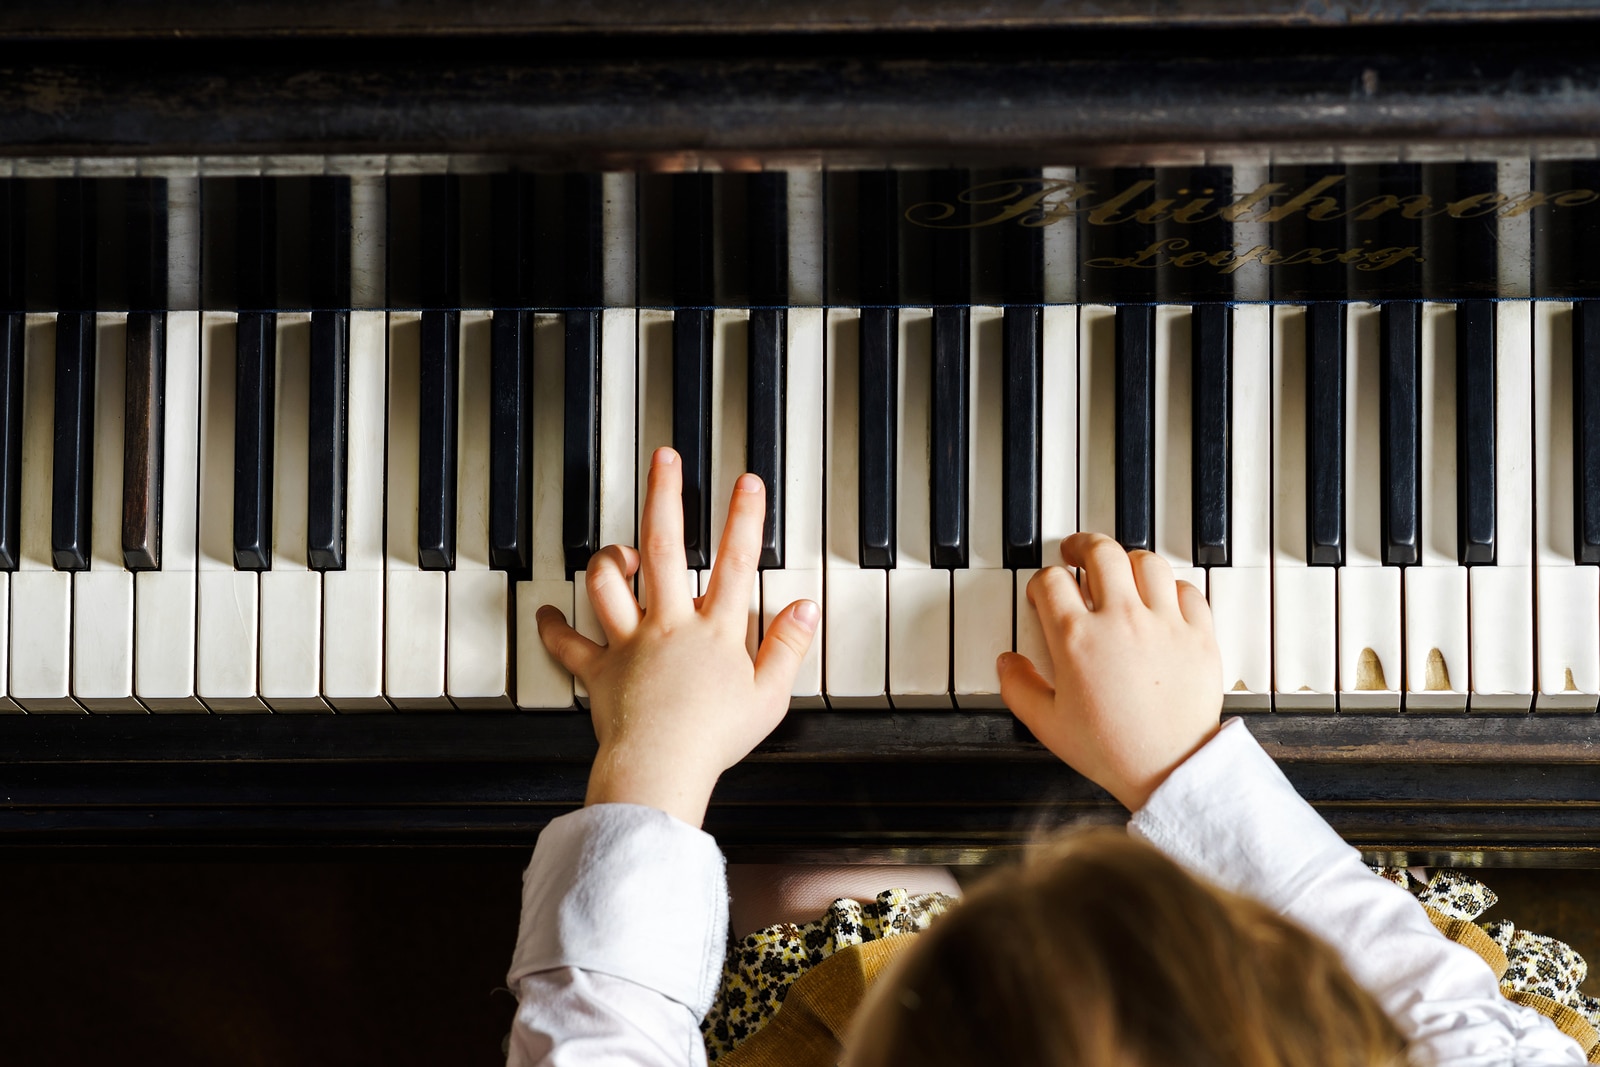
(1137, 672)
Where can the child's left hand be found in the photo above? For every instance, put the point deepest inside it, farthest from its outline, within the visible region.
(674, 695)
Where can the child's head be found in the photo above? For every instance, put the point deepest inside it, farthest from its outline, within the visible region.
(1101, 951)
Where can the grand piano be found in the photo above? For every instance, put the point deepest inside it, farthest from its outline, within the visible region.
(332, 341)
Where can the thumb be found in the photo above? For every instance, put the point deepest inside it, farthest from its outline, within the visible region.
(1024, 690)
(784, 647)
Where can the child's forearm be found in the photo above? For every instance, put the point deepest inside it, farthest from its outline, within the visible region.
(1229, 815)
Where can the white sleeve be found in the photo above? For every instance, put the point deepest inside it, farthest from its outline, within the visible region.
(624, 926)
(1229, 815)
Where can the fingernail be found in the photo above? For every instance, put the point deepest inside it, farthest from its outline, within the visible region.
(1003, 661)
(747, 483)
(664, 456)
(806, 614)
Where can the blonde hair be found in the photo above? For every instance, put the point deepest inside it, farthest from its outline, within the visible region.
(1101, 951)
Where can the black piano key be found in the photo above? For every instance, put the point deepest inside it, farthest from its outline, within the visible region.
(1586, 430)
(143, 430)
(439, 241)
(947, 514)
(255, 394)
(765, 420)
(1136, 421)
(691, 427)
(13, 245)
(11, 349)
(1400, 418)
(767, 249)
(76, 244)
(879, 393)
(693, 241)
(436, 441)
(326, 440)
(1325, 434)
(580, 523)
(1020, 435)
(1212, 458)
(329, 253)
(1475, 390)
(510, 441)
(146, 260)
(72, 479)
(256, 243)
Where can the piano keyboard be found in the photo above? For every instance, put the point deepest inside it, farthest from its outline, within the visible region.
(318, 434)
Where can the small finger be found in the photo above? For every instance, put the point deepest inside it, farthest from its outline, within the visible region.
(665, 568)
(1107, 574)
(1153, 575)
(784, 648)
(571, 649)
(610, 591)
(1194, 606)
(1024, 690)
(733, 574)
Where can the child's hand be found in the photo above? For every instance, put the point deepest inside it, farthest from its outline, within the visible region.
(1138, 678)
(675, 698)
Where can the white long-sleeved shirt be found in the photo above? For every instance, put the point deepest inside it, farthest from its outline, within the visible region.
(624, 923)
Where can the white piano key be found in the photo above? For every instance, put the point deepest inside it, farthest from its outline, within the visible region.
(779, 589)
(369, 238)
(804, 428)
(856, 637)
(654, 398)
(1370, 639)
(1058, 432)
(1030, 640)
(730, 360)
(102, 596)
(1501, 600)
(1241, 594)
(164, 600)
(541, 681)
(618, 220)
(7, 705)
(986, 457)
(984, 593)
(1304, 616)
(983, 603)
(352, 599)
(477, 613)
(1568, 596)
(291, 593)
(1174, 525)
(1569, 638)
(618, 415)
(41, 597)
(803, 442)
(1370, 633)
(1438, 665)
(855, 601)
(1097, 419)
(1060, 238)
(414, 599)
(1436, 638)
(919, 598)
(806, 236)
(227, 646)
(1501, 597)
(1241, 612)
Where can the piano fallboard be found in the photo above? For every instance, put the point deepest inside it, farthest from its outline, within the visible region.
(913, 787)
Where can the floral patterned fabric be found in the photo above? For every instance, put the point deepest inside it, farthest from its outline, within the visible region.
(760, 968)
(1536, 966)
